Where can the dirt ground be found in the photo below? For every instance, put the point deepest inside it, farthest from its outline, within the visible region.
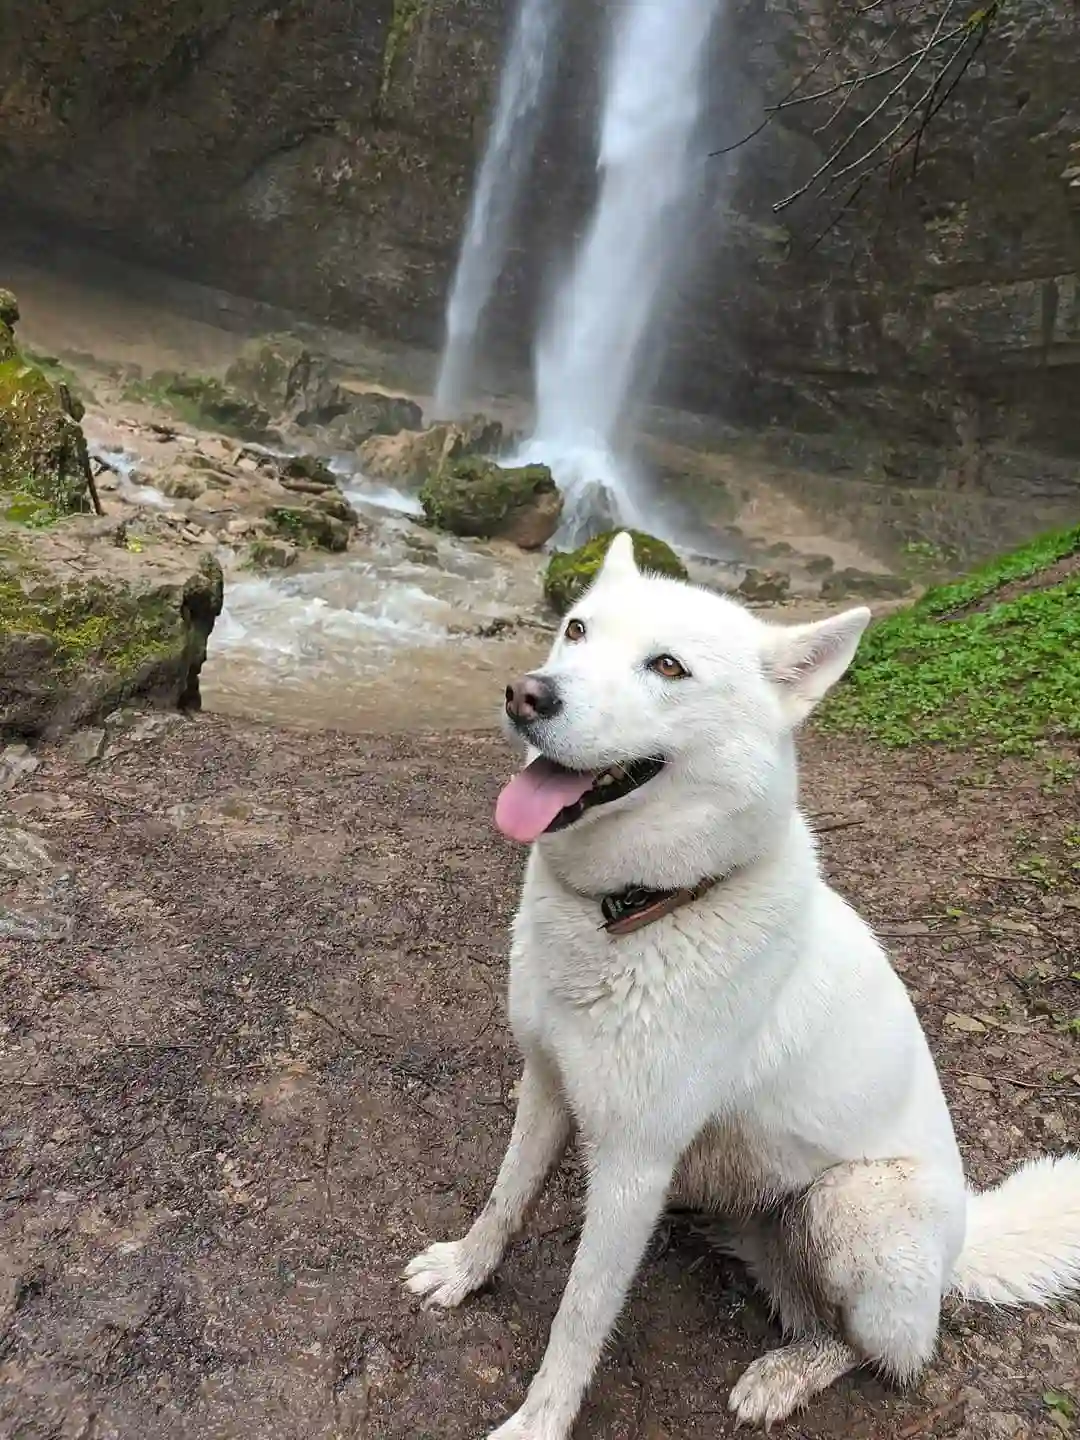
(252, 1057)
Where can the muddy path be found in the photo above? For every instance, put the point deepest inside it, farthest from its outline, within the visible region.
(253, 1056)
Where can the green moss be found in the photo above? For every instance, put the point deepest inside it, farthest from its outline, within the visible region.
(403, 18)
(474, 496)
(1003, 677)
(310, 526)
(58, 373)
(22, 507)
(203, 402)
(570, 573)
(42, 449)
(108, 623)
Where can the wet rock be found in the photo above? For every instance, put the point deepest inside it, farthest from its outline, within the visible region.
(279, 373)
(849, 581)
(86, 626)
(311, 526)
(818, 564)
(763, 587)
(299, 387)
(44, 467)
(412, 458)
(205, 402)
(88, 745)
(271, 555)
(369, 413)
(570, 573)
(473, 496)
(15, 762)
(308, 469)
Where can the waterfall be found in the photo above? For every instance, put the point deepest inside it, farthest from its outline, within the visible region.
(596, 353)
(509, 150)
(590, 356)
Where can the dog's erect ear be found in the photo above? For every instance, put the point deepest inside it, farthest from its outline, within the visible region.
(619, 562)
(805, 661)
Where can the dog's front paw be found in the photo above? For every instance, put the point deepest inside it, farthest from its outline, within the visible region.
(444, 1274)
(524, 1426)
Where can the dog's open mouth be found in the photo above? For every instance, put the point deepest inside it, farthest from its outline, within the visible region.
(546, 796)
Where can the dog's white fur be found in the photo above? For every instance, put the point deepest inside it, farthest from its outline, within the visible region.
(752, 1054)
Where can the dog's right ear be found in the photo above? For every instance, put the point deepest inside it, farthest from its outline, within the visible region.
(619, 562)
(805, 661)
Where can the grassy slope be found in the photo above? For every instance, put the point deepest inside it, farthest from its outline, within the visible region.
(961, 669)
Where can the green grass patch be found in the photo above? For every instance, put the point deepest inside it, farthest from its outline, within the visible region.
(1004, 678)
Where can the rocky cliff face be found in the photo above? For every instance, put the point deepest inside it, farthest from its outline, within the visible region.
(320, 154)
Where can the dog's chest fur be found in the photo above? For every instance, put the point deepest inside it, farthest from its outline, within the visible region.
(657, 1032)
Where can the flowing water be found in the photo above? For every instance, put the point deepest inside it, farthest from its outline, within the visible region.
(589, 358)
(590, 353)
(393, 636)
(502, 174)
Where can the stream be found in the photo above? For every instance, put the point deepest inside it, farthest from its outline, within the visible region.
(383, 637)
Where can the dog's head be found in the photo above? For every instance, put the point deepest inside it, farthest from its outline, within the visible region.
(660, 729)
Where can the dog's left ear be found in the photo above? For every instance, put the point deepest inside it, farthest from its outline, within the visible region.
(805, 661)
(619, 562)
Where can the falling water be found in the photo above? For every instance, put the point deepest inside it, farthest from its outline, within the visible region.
(506, 160)
(590, 354)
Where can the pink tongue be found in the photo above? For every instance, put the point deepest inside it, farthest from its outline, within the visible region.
(527, 806)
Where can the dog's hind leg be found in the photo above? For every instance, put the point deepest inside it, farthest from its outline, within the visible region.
(875, 1242)
(445, 1273)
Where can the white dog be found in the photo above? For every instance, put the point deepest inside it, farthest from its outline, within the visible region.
(722, 1029)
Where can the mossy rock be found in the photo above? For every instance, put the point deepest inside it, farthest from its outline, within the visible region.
(71, 653)
(9, 309)
(474, 496)
(275, 371)
(43, 459)
(570, 573)
(205, 403)
(310, 527)
(309, 468)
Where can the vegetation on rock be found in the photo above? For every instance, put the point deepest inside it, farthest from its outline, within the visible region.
(205, 403)
(474, 496)
(296, 386)
(570, 573)
(44, 467)
(71, 652)
(992, 660)
(310, 526)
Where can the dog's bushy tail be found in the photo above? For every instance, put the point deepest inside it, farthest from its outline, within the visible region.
(1023, 1238)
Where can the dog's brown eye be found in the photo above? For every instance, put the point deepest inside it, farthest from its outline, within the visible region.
(668, 667)
(575, 630)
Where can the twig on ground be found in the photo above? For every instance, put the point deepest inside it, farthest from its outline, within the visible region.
(837, 825)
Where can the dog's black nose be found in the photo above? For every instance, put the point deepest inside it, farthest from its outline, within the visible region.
(533, 697)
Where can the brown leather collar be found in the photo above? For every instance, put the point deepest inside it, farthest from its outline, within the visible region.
(634, 908)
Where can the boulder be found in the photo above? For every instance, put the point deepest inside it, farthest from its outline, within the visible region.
(279, 373)
(412, 458)
(87, 624)
(368, 413)
(205, 403)
(764, 587)
(867, 583)
(570, 573)
(312, 526)
(473, 496)
(44, 469)
(299, 387)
